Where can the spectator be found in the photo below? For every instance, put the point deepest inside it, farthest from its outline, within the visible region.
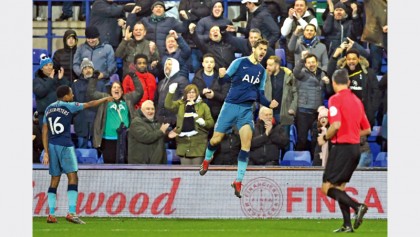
(108, 17)
(267, 139)
(312, 85)
(214, 19)
(148, 81)
(147, 135)
(298, 15)
(135, 43)
(223, 52)
(308, 42)
(193, 123)
(157, 25)
(228, 149)
(171, 70)
(321, 150)
(375, 32)
(45, 84)
(245, 45)
(349, 5)
(191, 11)
(383, 112)
(83, 121)
(145, 6)
(37, 146)
(101, 54)
(262, 20)
(338, 25)
(280, 85)
(67, 11)
(112, 116)
(277, 9)
(177, 48)
(64, 57)
(211, 90)
(363, 83)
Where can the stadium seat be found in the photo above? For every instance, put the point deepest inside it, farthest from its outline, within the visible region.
(282, 55)
(373, 135)
(36, 53)
(87, 155)
(381, 160)
(296, 158)
(375, 148)
(292, 137)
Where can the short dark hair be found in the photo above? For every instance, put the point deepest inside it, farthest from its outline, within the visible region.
(341, 76)
(310, 24)
(139, 55)
(310, 56)
(208, 55)
(62, 91)
(260, 41)
(355, 51)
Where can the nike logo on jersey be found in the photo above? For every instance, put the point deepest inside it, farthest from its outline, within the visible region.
(244, 67)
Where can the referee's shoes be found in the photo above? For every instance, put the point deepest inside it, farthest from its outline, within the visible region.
(359, 215)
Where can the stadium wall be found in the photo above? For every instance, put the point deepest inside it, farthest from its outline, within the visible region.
(151, 191)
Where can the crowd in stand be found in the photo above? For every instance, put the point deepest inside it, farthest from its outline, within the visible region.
(161, 106)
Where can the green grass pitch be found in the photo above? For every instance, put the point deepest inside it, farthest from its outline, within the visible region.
(144, 227)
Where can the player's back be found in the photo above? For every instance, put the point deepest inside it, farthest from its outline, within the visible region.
(58, 117)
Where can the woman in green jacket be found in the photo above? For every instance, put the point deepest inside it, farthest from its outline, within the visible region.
(193, 124)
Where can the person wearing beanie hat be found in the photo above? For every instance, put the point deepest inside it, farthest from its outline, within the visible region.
(100, 53)
(340, 5)
(158, 24)
(84, 120)
(44, 60)
(340, 25)
(321, 151)
(86, 63)
(45, 83)
(91, 32)
(63, 57)
(322, 112)
(160, 3)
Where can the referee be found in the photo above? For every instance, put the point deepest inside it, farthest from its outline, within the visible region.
(348, 122)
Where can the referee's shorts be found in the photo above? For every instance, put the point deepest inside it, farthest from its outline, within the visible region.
(342, 161)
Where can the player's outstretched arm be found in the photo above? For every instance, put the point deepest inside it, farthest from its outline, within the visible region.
(95, 103)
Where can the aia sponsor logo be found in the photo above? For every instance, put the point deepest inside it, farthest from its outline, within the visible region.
(261, 198)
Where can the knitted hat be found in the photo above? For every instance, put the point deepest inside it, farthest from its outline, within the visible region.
(158, 3)
(322, 112)
(340, 5)
(91, 32)
(44, 60)
(86, 63)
